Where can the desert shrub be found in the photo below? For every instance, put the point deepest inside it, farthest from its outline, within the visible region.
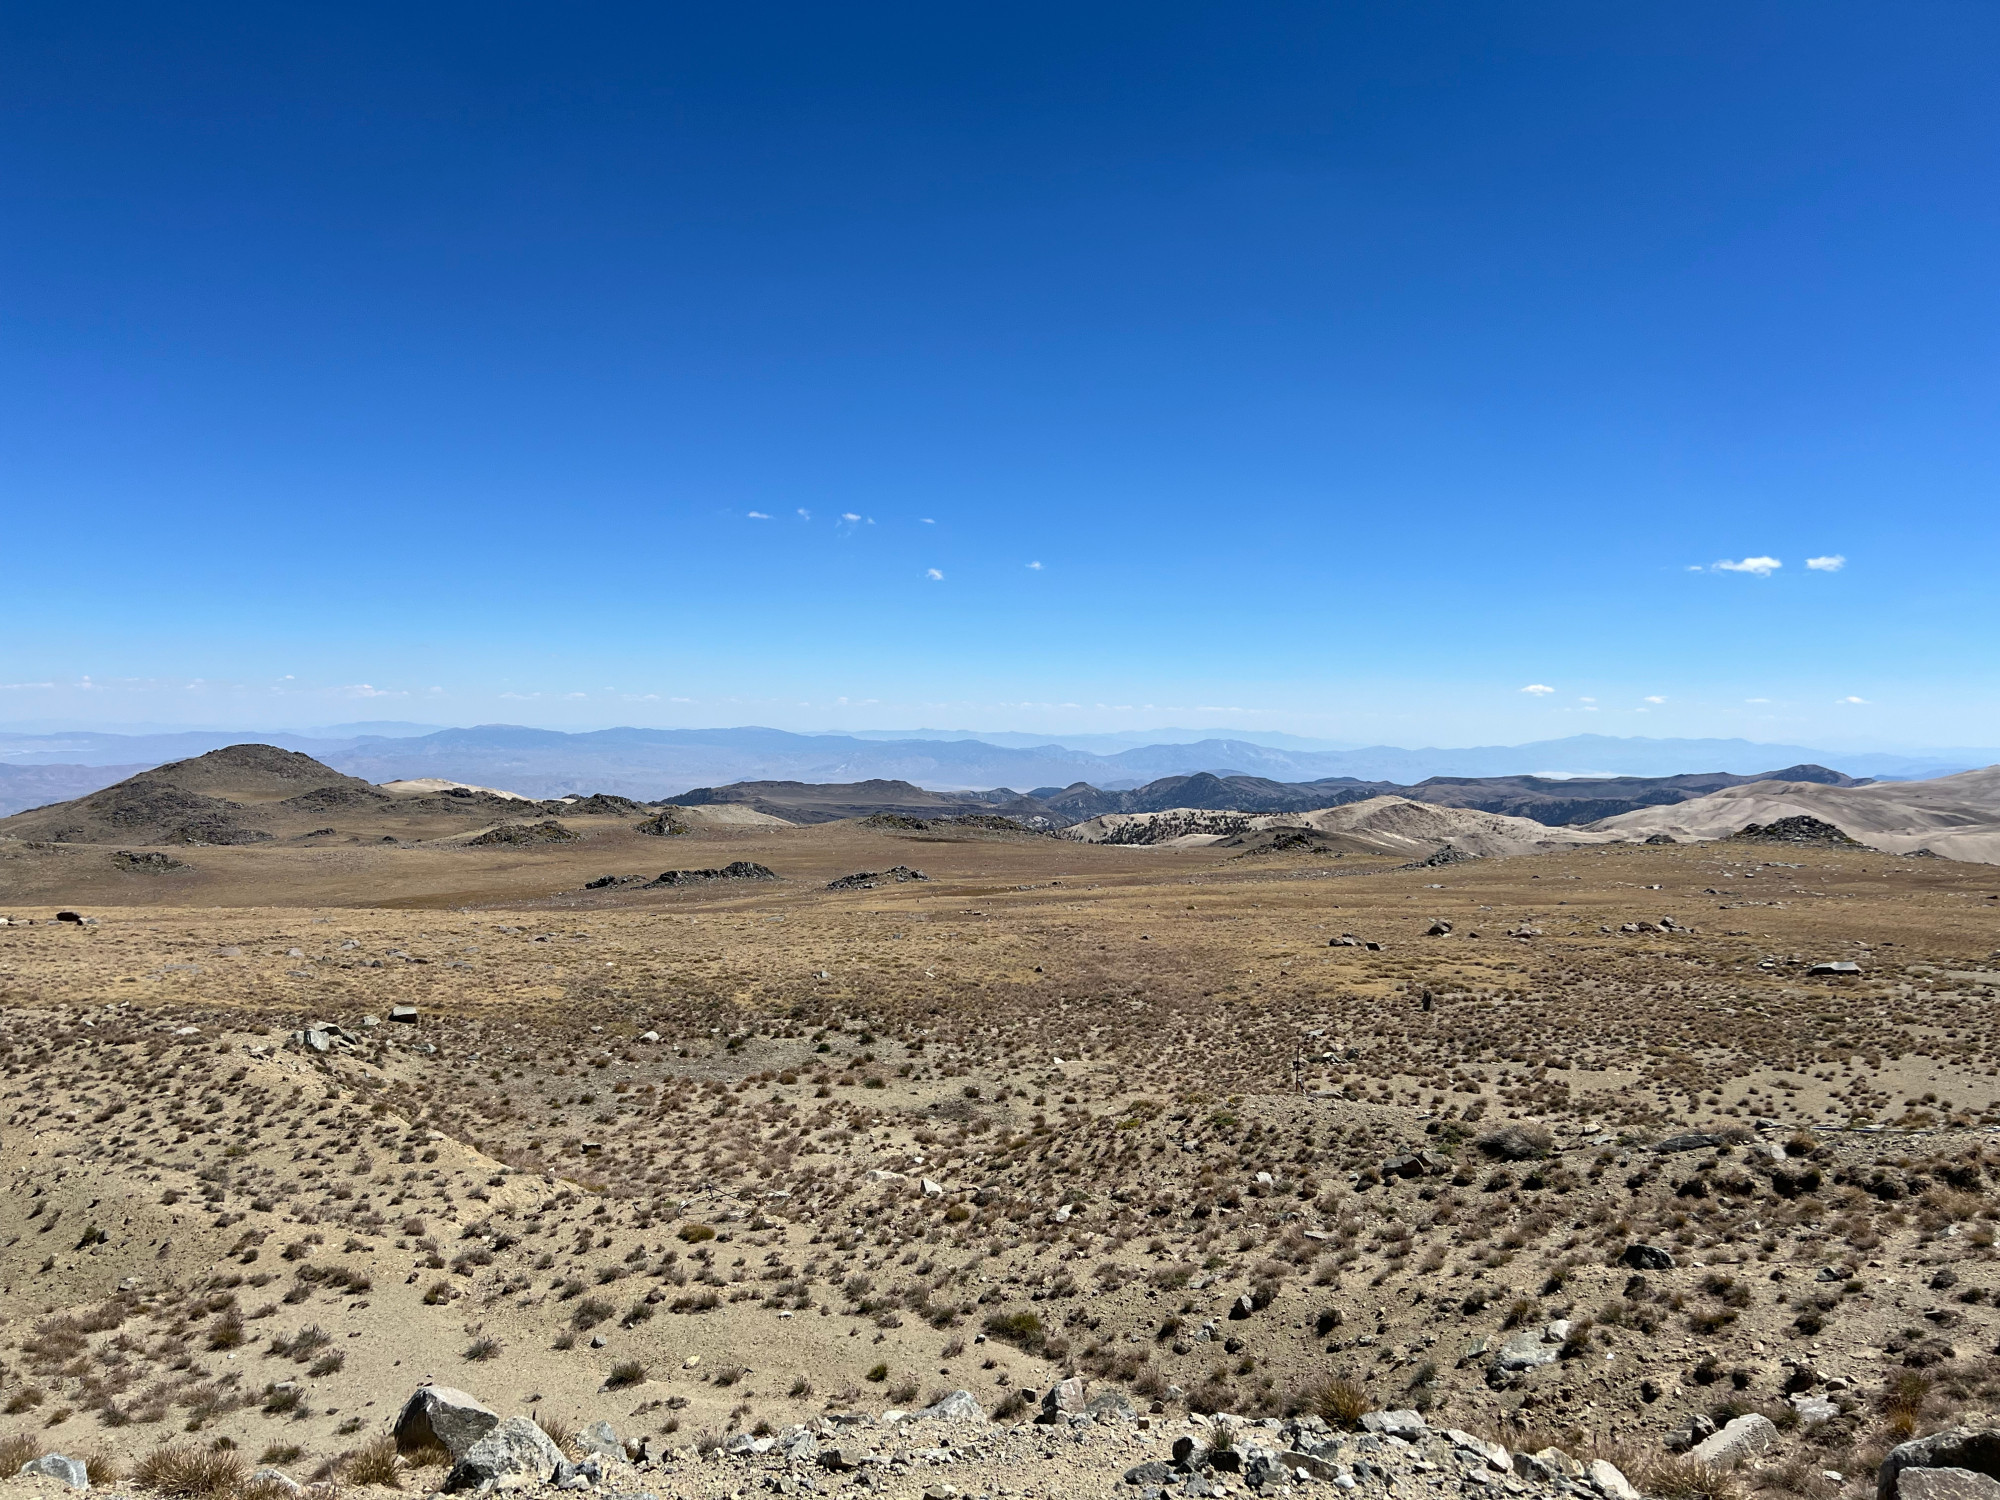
(373, 1464)
(878, 1374)
(190, 1473)
(482, 1349)
(694, 1234)
(1336, 1400)
(17, 1449)
(1022, 1329)
(626, 1373)
(1684, 1478)
(102, 1469)
(589, 1313)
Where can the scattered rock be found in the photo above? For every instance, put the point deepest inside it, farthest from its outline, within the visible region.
(147, 862)
(867, 880)
(1610, 1482)
(959, 1406)
(1798, 830)
(1407, 1425)
(741, 869)
(1642, 1257)
(69, 1471)
(845, 1457)
(513, 1454)
(1743, 1438)
(1517, 1142)
(548, 831)
(602, 1439)
(443, 1415)
(1693, 1140)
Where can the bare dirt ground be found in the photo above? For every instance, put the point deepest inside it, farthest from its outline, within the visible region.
(721, 1159)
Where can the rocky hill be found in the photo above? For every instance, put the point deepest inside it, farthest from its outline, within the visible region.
(1957, 817)
(250, 794)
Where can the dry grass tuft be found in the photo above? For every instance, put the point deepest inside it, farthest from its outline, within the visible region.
(1678, 1477)
(1337, 1401)
(190, 1473)
(17, 1449)
(373, 1464)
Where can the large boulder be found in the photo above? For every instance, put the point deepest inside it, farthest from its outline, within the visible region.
(513, 1455)
(441, 1415)
(1736, 1441)
(1976, 1449)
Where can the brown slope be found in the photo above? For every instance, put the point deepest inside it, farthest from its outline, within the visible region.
(248, 794)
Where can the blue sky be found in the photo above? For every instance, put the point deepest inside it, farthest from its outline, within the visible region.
(1339, 369)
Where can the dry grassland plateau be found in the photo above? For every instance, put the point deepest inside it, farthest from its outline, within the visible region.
(1573, 1153)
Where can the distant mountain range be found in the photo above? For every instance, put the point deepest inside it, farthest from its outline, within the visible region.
(651, 764)
(1570, 802)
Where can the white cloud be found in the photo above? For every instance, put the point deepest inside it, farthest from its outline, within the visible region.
(758, 515)
(1763, 567)
(1581, 699)
(1538, 689)
(363, 690)
(849, 516)
(933, 575)
(804, 514)
(1850, 698)
(1656, 700)
(1832, 564)
(1036, 566)
(1756, 700)
(927, 521)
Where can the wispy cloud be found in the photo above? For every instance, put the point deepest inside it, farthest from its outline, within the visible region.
(1656, 700)
(804, 514)
(364, 690)
(1763, 567)
(758, 515)
(1538, 689)
(1035, 566)
(849, 516)
(927, 521)
(933, 575)
(1830, 564)
(1850, 698)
